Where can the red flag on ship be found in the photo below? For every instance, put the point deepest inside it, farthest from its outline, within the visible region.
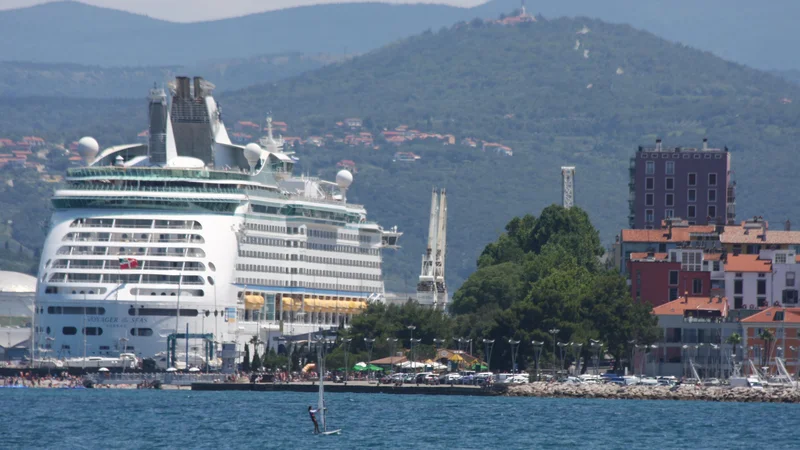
(128, 263)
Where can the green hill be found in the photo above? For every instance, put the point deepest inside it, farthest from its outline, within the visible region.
(525, 87)
(21, 79)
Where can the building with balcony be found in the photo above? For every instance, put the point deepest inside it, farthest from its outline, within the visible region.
(695, 333)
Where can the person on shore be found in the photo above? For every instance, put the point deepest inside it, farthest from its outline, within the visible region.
(312, 412)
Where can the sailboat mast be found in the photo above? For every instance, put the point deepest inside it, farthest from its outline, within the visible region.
(321, 400)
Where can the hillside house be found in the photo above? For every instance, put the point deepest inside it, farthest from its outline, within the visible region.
(245, 126)
(347, 164)
(281, 127)
(33, 141)
(498, 149)
(406, 157)
(315, 140)
(353, 123)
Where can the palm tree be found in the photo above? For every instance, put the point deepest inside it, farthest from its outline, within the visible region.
(735, 339)
(767, 336)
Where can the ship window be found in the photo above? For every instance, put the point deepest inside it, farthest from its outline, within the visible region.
(93, 331)
(69, 331)
(48, 330)
(141, 331)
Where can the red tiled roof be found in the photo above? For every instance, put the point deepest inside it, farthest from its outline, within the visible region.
(747, 263)
(767, 315)
(736, 235)
(643, 256)
(679, 234)
(679, 306)
(712, 256)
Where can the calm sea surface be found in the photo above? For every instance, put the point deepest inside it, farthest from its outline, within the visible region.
(111, 419)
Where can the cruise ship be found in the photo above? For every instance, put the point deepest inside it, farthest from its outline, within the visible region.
(189, 241)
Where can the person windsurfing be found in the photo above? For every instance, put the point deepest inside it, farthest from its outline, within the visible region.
(312, 412)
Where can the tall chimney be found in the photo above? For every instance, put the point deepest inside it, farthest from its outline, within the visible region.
(787, 225)
(705, 143)
(658, 145)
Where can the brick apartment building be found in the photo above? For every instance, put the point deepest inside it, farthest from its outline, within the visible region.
(690, 183)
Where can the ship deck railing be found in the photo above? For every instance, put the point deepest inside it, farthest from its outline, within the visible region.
(124, 188)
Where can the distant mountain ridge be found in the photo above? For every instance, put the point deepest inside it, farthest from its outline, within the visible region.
(21, 79)
(78, 33)
(758, 34)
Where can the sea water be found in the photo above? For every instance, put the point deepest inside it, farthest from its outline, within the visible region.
(130, 419)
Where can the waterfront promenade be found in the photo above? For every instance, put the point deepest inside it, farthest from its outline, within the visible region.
(355, 387)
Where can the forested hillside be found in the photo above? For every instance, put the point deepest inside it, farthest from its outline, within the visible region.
(527, 87)
(22, 79)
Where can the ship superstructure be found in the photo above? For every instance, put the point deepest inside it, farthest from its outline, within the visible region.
(432, 288)
(192, 234)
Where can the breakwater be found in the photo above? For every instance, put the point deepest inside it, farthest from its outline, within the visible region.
(682, 392)
(353, 387)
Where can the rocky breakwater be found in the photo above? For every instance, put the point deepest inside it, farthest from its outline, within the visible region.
(682, 392)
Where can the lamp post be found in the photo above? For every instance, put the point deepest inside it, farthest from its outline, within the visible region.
(596, 346)
(346, 342)
(654, 347)
(460, 341)
(392, 342)
(488, 346)
(561, 346)
(514, 349)
(411, 329)
(537, 352)
(632, 343)
(576, 349)
(369, 342)
(554, 331)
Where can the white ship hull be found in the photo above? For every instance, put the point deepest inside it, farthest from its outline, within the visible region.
(148, 243)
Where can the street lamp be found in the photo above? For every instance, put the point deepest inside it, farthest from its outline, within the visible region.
(632, 343)
(369, 343)
(514, 349)
(537, 352)
(392, 342)
(488, 346)
(414, 352)
(554, 331)
(411, 329)
(346, 348)
(655, 356)
(576, 349)
(596, 347)
(561, 346)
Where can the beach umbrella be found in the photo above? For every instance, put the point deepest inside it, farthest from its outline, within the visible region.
(374, 368)
(194, 369)
(456, 358)
(358, 368)
(102, 369)
(172, 369)
(361, 364)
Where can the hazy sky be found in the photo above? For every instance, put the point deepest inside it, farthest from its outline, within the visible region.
(211, 9)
